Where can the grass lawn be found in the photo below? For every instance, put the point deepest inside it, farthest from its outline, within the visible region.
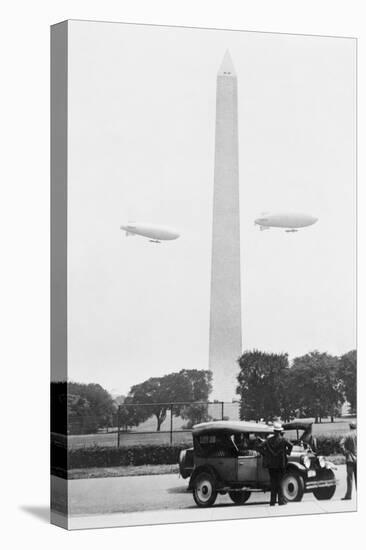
(338, 427)
(123, 471)
(127, 439)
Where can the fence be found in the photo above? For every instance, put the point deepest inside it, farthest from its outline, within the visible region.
(150, 423)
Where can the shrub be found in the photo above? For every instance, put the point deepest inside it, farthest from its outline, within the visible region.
(104, 457)
(328, 444)
(137, 455)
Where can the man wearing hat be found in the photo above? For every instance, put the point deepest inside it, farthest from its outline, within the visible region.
(349, 448)
(275, 450)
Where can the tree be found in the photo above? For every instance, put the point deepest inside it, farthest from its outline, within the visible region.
(261, 385)
(315, 385)
(81, 418)
(158, 393)
(201, 387)
(347, 372)
(130, 416)
(155, 394)
(288, 405)
(91, 404)
(200, 382)
(195, 414)
(80, 408)
(126, 416)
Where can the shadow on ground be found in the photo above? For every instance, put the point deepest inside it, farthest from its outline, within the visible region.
(40, 512)
(231, 504)
(177, 490)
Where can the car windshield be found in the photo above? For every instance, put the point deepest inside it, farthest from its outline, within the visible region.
(294, 435)
(301, 438)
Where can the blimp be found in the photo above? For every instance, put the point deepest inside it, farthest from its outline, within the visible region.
(155, 233)
(290, 222)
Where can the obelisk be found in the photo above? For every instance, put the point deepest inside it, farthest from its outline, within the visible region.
(225, 315)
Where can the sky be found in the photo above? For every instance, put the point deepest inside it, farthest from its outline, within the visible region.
(141, 122)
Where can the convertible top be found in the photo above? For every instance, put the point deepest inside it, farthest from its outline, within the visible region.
(301, 424)
(228, 426)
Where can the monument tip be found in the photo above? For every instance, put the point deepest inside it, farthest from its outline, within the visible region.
(227, 67)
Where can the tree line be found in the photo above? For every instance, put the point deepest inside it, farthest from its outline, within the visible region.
(86, 408)
(159, 393)
(314, 385)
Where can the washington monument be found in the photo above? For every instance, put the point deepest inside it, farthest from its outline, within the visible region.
(225, 316)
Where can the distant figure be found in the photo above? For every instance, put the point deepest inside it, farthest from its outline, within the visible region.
(275, 451)
(349, 448)
(242, 443)
(245, 444)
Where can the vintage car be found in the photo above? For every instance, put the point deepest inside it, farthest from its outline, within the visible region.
(225, 459)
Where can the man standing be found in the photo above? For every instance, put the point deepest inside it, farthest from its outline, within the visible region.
(275, 450)
(349, 448)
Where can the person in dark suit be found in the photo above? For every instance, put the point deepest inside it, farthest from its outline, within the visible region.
(275, 451)
(349, 448)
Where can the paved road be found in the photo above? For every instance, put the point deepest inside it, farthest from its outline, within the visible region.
(109, 501)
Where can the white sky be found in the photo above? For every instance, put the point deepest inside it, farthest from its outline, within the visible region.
(141, 146)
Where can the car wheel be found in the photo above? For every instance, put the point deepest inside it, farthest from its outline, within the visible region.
(239, 497)
(292, 487)
(204, 491)
(325, 493)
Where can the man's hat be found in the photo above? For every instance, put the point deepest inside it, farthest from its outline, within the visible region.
(353, 425)
(277, 427)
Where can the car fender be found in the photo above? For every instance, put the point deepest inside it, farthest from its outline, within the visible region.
(185, 470)
(207, 468)
(297, 467)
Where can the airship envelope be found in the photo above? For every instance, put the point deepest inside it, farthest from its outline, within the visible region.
(155, 233)
(289, 222)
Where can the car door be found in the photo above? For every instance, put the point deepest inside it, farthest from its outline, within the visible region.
(225, 466)
(247, 467)
(217, 452)
(263, 473)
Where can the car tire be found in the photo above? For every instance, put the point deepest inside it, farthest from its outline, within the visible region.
(293, 487)
(325, 493)
(239, 497)
(204, 490)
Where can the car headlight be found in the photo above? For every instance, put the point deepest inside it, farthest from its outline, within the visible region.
(306, 462)
(321, 461)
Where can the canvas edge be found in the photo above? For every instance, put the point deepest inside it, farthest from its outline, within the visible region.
(58, 254)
